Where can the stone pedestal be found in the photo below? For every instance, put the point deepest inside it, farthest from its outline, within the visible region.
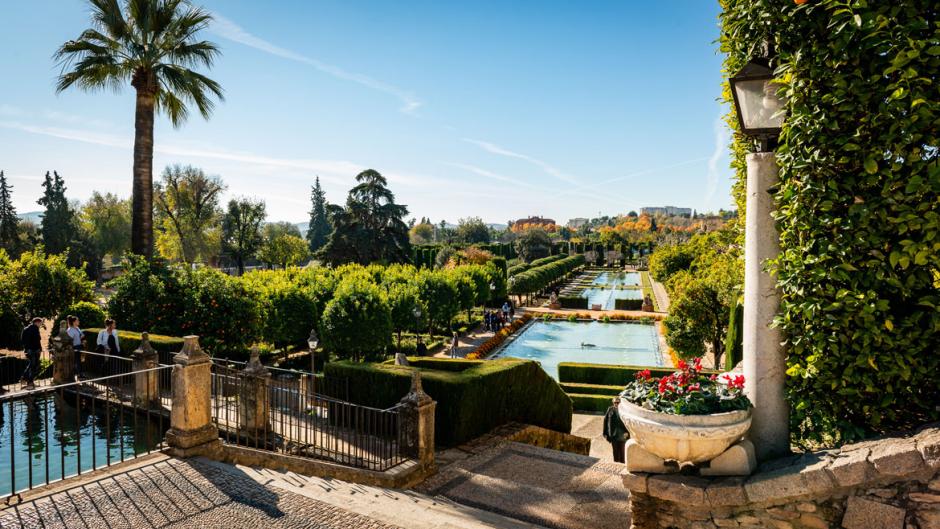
(738, 460)
(647, 304)
(146, 385)
(191, 429)
(417, 423)
(764, 357)
(253, 420)
(63, 357)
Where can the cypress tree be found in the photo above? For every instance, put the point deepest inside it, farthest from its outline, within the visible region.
(9, 239)
(318, 232)
(58, 223)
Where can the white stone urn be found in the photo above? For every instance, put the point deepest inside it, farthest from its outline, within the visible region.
(682, 438)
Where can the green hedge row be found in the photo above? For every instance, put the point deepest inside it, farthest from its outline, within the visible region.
(473, 396)
(536, 279)
(590, 389)
(607, 374)
(628, 304)
(590, 403)
(167, 346)
(573, 302)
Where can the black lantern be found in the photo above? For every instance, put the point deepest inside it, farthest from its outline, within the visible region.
(759, 108)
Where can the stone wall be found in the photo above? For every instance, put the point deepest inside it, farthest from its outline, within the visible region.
(891, 483)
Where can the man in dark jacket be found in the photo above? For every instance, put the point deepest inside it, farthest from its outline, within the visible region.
(32, 345)
(615, 431)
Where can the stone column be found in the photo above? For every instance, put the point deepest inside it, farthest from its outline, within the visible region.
(417, 426)
(764, 356)
(253, 420)
(191, 430)
(146, 385)
(63, 357)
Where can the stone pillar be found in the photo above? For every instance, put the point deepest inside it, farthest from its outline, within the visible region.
(191, 430)
(417, 426)
(764, 357)
(253, 420)
(146, 385)
(63, 357)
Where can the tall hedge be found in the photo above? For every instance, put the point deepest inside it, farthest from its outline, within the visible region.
(473, 396)
(858, 206)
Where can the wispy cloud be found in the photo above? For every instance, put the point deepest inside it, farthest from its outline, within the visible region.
(721, 143)
(485, 173)
(502, 151)
(227, 29)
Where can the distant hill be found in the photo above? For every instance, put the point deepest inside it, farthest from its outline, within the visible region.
(32, 216)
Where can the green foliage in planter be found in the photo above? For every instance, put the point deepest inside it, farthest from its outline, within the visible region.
(607, 374)
(628, 304)
(471, 400)
(857, 207)
(573, 302)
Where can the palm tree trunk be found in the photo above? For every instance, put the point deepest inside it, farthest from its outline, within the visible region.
(142, 202)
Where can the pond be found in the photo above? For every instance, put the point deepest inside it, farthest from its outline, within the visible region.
(606, 297)
(615, 279)
(46, 433)
(553, 342)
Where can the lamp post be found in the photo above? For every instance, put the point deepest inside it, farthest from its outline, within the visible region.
(417, 314)
(760, 115)
(313, 341)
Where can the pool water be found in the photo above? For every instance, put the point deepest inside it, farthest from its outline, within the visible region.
(614, 279)
(553, 342)
(605, 297)
(30, 424)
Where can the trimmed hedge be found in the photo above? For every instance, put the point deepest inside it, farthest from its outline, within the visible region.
(166, 346)
(607, 374)
(573, 302)
(628, 304)
(537, 278)
(473, 396)
(590, 389)
(590, 403)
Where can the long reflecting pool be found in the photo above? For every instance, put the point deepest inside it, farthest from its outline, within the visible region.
(553, 342)
(45, 437)
(615, 279)
(606, 297)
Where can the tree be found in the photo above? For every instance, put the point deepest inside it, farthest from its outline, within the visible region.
(472, 230)
(319, 228)
(284, 250)
(188, 211)
(421, 233)
(58, 219)
(152, 44)
(439, 295)
(241, 229)
(357, 321)
(533, 244)
(371, 227)
(273, 230)
(9, 222)
(106, 223)
(403, 300)
(43, 284)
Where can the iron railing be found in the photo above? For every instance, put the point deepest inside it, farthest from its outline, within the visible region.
(54, 432)
(284, 415)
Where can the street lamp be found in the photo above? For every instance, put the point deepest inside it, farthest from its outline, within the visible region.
(760, 112)
(313, 341)
(759, 108)
(417, 314)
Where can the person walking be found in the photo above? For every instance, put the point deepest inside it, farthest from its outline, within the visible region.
(615, 431)
(420, 348)
(108, 341)
(506, 310)
(454, 346)
(32, 346)
(75, 333)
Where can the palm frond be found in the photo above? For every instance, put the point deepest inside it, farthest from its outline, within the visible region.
(107, 15)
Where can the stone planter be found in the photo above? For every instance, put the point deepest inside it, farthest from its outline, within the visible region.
(684, 438)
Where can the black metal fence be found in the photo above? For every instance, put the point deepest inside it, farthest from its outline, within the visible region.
(54, 432)
(286, 415)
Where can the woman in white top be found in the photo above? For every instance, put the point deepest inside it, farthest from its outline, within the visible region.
(75, 333)
(108, 342)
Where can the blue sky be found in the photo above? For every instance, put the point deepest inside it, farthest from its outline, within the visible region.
(493, 109)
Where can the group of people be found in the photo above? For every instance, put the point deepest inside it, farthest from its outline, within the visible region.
(494, 320)
(108, 342)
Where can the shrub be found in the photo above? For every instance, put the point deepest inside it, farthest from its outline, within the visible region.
(590, 403)
(573, 302)
(166, 346)
(591, 389)
(471, 400)
(39, 284)
(628, 304)
(357, 321)
(288, 305)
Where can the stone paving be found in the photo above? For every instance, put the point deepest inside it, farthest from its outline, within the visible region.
(546, 487)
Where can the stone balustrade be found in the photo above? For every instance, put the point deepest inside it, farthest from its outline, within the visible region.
(891, 483)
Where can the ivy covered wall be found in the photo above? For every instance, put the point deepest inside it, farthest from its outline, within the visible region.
(858, 207)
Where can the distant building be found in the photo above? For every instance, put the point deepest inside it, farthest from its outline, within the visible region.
(669, 211)
(577, 223)
(536, 221)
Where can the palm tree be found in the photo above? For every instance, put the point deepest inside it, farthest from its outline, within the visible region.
(151, 44)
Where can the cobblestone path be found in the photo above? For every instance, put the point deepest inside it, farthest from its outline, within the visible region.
(174, 493)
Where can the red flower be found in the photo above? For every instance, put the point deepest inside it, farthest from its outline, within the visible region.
(643, 375)
(683, 365)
